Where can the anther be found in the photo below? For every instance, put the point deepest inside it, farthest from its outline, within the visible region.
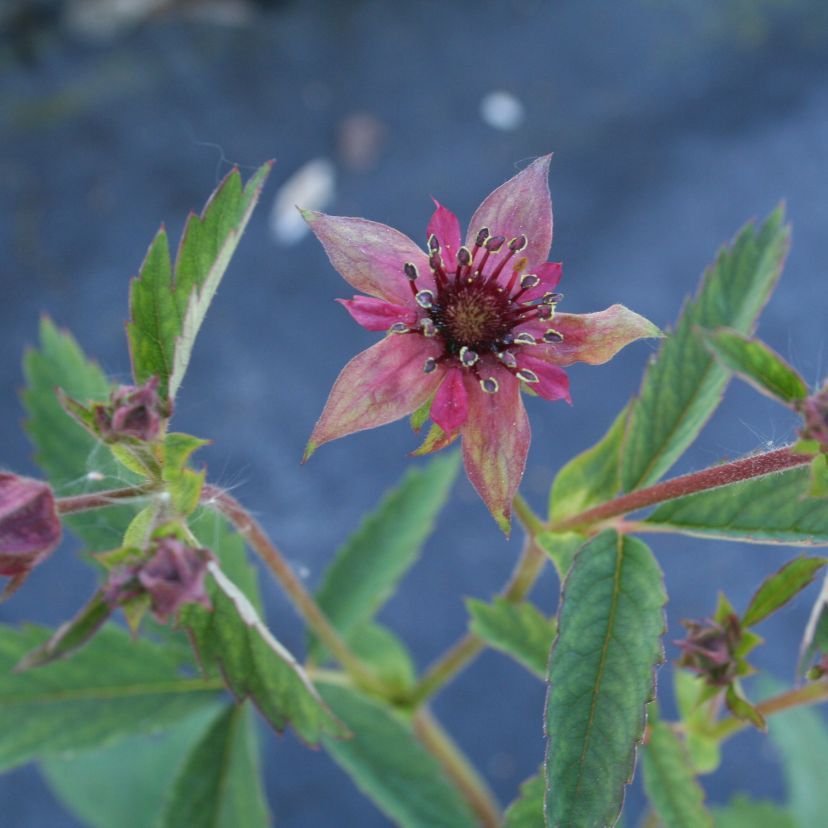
(494, 243)
(428, 326)
(518, 243)
(425, 299)
(399, 327)
(553, 336)
(433, 243)
(411, 272)
(468, 357)
(482, 237)
(489, 385)
(527, 376)
(552, 298)
(429, 365)
(464, 257)
(525, 338)
(546, 312)
(507, 358)
(530, 280)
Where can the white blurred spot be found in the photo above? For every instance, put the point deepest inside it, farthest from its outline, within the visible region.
(502, 110)
(104, 19)
(361, 137)
(311, 187)
(94, 476)
(302, 571)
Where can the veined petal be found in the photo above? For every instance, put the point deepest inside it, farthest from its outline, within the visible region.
(552, 384)
(446, 227)
(370, 256)
(521, 206)
(450, 407)
(377, 314)
(549, 274)
(378, 386)
(496, 441)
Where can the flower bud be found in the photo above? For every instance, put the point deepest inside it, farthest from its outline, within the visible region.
(710, 649)
(29, 526)
(134, 411)
(814, 412)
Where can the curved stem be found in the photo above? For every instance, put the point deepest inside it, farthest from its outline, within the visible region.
(99, 500)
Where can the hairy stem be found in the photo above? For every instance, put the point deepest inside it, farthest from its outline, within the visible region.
(249, 528)
(98, 500)
(461, 772)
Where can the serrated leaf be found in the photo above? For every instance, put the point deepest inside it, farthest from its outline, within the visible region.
(776, 590)
(74, 462)
(590, 478)
(254, 664)
(520, 630)
(220, 784)
(561, 548)
(112, 688)
(384, 652)
(742, 812)
(369, 566)
(815, 637)
(601, 678)
(125, 784)
(167, 307)
(756, 363)
(671, 786)
(527, 810)
(684, 383)
(390, 766)
(770, 509)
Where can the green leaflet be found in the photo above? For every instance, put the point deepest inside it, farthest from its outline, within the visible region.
(220, 784)
(756, 363)
(669, 781)
(384, 651)
(390, 766)
(112, 688)
(601, 678)
(368, 567)
(815, 637)
(770, 509)
(561, 548)
(74, 462)
(692, 700)
(166, 307)
(527, 810)
(742, 812)
(125, 784)
(684, 383)
(519, 630)
(776, 590)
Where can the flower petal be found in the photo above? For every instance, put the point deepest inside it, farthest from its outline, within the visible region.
(450, 407)
(496, 441)
(446, 227)
(370, 256)
(549, 274)
(520, 206)
(377, 314)
(552, 384)
(378, 386)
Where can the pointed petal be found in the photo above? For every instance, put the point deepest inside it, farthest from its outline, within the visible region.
(553, 383)
(446, 227)
(370, 256)
(495, 442)
(549, 274)
(450, 407)
(376, 387)
(377, 314)
(520, 206)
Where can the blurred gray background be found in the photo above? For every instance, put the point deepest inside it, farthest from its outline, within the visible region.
(672, 124)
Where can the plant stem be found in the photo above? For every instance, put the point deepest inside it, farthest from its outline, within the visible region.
(249, 528)
(98, 500)
(461, 772)
(809, 694)
(712, 478)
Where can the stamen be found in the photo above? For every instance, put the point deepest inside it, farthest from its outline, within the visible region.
(411, 272)
(425, 299)
(552, 298)
(507, 358)
(435, 262)
(399, 327)
(527, 376)
(525, 338)
(428, 326)
(553, 336)
(546, 312)
(433, 243)
(494, 243)
(464, 260)
(489, 385)
(482, 237)
(429, 365)
(528, 281)
(468, 357)
(518, 243)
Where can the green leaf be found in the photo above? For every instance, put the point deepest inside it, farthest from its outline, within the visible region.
(601, 678)
(369, 566)
(776, 590)
(385, 653)
(112, 688)
(390, 766)
(253, 663)
(819, 477)
(74, 462)
(220, 784)
(815, 637)
(742, 812)
(676, 796)
(167, 310)
(125, 784)
(527, 810)
(684, 383)
(590, 478)
(770, 509)
(693, 704)
(741, 707)
(756, 363)
(561, 548)
(519, 630)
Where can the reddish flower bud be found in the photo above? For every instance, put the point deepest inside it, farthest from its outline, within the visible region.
(814, 412)
(29, 526)
(710, 649)
(134, 411)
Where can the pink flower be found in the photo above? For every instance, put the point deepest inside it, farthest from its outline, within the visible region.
(469, 324)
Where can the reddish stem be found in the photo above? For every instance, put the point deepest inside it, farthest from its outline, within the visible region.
(97, 500)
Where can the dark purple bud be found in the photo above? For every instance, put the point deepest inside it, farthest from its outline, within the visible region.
(133, 411)
(814, 412)
(29, 525)
(710, 649)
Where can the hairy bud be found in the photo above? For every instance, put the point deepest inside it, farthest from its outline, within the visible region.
(133, 411)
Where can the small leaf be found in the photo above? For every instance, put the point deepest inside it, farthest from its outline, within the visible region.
(693, 704)
(601, 678)
(369, 566)
(561, 548)
(742, 812)
(434, 441)
(671, 786)
(138, 532)
(756, 363)
(220, 784)
(769, 509)
(684, 383)
(419, 417)
(815, 637)
(390, 766)
(741, 708)
(819, 477)
(780, 587)
(385, 653)
(517, 629)
(527, 810)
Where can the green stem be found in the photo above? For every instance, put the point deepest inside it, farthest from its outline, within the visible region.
(461, 772)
